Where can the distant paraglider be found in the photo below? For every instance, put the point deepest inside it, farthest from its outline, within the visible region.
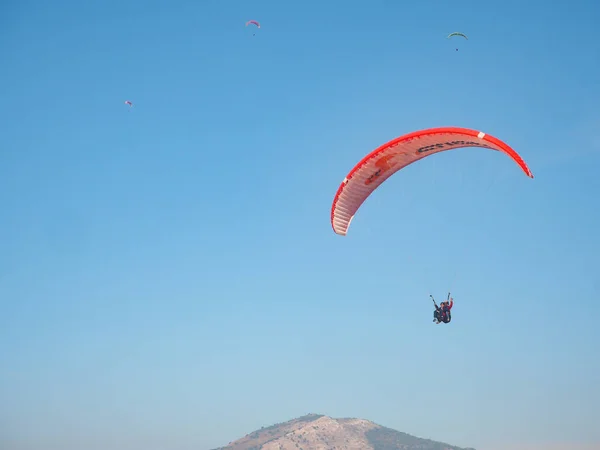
(458, 34)
(128, 103)
(253, 22)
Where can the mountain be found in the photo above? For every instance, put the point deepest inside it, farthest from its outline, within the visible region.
(319, 432)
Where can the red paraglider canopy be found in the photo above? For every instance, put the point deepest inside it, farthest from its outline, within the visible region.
(383, 162)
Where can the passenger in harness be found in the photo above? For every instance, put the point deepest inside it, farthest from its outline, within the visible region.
(442, 312)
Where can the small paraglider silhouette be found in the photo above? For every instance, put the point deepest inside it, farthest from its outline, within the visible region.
(254, 22)
(458, 34)
(127, 102)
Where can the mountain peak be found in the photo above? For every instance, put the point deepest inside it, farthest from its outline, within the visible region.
(321, 432)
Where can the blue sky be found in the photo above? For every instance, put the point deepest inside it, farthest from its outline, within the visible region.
(168, 273)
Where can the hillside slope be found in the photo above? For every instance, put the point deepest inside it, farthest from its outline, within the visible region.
(318, 432)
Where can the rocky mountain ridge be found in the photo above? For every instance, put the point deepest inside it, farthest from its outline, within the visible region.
(320, 432)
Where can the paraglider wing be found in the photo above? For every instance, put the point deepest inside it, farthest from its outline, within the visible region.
(254, 22)
(383, 162)
(458, 34)
(127, 102)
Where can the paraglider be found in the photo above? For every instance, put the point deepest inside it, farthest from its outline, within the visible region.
(392, 156)
(254, 22)
(128, 103)
(442, 312)
(458, 34)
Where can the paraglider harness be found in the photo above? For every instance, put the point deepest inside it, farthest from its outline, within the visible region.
(441, 315)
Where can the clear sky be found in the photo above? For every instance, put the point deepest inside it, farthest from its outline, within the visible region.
(169, 278)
